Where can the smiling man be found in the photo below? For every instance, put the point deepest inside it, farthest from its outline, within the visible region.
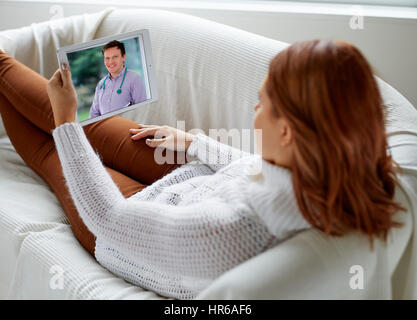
(120, 86)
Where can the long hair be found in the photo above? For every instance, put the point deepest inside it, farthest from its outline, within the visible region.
(343, 177)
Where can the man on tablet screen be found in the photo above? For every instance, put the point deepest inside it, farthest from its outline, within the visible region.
(120, 87)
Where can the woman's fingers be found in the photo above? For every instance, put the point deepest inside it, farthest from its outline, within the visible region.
(155, 142)
(66, 75)
(147, 125)
(133, 130)
(142, 126)
(146, 132)
(55, 80)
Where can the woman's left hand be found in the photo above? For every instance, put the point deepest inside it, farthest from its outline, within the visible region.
(163, 136)
(62, 95)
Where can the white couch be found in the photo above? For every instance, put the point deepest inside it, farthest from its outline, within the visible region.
(208, 75)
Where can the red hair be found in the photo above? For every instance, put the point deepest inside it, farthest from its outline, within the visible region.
(342, 176)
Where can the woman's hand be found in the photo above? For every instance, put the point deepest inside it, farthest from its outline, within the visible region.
(62, 95)
(164, 136)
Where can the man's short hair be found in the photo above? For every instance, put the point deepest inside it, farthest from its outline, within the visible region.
(113, 44)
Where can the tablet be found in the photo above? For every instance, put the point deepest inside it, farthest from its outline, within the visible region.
(111, 75)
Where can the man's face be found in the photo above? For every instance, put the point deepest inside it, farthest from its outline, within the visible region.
(113, 60)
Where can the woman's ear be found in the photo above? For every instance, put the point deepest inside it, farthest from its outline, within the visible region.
(285, 132)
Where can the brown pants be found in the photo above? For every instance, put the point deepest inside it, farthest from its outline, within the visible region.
(28, 120)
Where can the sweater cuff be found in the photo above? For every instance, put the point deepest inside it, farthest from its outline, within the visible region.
(195, 145)
(206, 148)
(70, 139)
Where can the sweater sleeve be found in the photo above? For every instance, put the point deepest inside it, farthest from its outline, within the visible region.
(213, 153)
(173, 250)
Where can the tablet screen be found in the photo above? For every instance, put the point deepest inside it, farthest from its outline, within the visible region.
(109, 77)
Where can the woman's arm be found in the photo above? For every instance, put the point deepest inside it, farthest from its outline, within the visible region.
(173, 248)
(213, 153)
(209, 151)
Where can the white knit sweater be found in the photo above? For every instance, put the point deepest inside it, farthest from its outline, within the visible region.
(186, 229)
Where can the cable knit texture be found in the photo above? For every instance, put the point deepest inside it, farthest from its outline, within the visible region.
(182, 232)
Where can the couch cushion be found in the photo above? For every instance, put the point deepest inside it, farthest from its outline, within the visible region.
(52, 265)
(36, 242)
(27, 205)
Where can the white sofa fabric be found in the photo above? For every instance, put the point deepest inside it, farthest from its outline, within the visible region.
(208, 75)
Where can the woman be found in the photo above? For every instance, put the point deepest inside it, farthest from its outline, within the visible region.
(324, 165)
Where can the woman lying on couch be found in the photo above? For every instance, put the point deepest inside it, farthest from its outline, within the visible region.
(174, 228)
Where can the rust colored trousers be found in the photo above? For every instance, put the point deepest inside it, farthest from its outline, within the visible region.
(28, 119)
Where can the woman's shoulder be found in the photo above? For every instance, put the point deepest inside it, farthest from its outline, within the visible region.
(271, 196)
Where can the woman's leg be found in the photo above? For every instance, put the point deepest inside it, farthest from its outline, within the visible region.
(37, 149)
(110, 138)
(28, 119)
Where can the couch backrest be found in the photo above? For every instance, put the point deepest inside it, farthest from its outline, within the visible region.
(208, 73)
(35, 45)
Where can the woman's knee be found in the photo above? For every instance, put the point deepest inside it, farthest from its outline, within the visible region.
(25, 90)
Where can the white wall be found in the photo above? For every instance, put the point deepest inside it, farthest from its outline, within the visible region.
(390, 43)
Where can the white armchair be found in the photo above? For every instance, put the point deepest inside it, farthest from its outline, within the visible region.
(208, 75)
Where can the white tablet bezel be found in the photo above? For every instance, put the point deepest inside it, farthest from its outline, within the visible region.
(147, 63)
